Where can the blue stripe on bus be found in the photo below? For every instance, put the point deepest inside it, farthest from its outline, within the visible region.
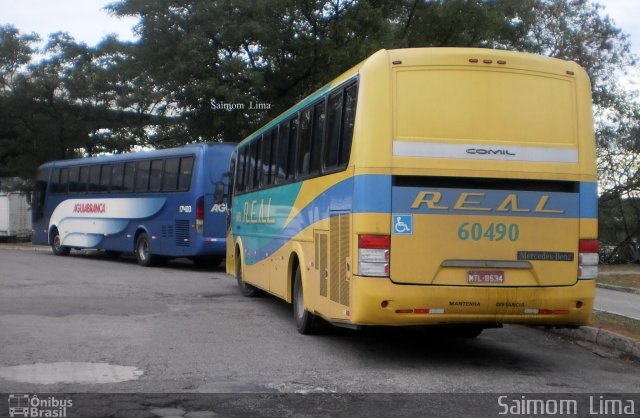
(372, 193)
(484, 202)
(589, 200)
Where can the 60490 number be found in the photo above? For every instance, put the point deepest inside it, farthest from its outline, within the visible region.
(493, 232)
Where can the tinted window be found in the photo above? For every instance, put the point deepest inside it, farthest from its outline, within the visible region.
(55, 181)
(129, 173)
(348, 122)
(64, 180)
(274, 153)
(240, 167)
(293, 144)
(155, 177)
(304, 143)
(84, 179)
(316, 139)
(266, 158)
(186, 170)
(142, 176)
(334, 122)
(74, 175)
(283, 149)
(94, 178)
(117, 175)
(105, 177)
(170, 180)
(251, 165)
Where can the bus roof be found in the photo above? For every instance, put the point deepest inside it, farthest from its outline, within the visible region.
(168, 152)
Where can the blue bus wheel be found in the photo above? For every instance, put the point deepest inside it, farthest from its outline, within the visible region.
(143, 251)
(57, 247)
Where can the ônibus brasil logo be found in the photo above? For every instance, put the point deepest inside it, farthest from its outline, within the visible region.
(23, 405)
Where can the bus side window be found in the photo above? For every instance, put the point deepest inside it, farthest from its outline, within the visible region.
(316, 138)
(283, 148)
(84, 179)
(155, 176)
(117, 176)
(293, 146)
(251, 166)
(170, 181)
(266, 158)
(55, 181)
(74, 174)
(274, 154)
(142, 176)
(348, 122)
(129, 174)
(64, 181)
(94, 178)
(106, 171)
(304, 143)
(186, 169)
(240, 168)
(334, 116)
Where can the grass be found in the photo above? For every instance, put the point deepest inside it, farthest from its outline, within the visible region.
(626, 275)
(616, 323)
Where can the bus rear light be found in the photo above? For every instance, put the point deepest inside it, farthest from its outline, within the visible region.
(373, 241)
(200, 215)
(373, 255)
(535, 311)
(588, 259)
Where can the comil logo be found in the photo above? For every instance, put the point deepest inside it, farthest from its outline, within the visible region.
(489, 151)
(22, 405)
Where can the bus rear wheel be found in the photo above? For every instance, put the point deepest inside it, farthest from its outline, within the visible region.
(57, 247)
(143, 251)
(306, 322)
(246, 289)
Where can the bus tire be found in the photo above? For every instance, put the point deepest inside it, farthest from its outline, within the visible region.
(306, 322)
(143, 251)
(246, 289)
(57, 247)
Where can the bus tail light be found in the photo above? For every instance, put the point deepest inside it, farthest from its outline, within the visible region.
(588, 259)
(200, 215)
(373, 255)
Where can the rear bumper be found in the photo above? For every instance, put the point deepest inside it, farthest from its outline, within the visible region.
(430, 305)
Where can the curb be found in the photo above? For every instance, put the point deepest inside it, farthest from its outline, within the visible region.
(30, 247)
(618, 288)
(603, 338)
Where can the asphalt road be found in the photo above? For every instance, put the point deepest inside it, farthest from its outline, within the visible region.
(85, 323)
(619, 303)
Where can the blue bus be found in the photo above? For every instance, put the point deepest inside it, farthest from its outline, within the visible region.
(157, 204)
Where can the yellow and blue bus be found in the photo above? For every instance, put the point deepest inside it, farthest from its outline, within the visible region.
(157, 204)
(425, 186)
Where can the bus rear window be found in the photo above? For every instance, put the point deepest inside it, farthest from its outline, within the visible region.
(477, 106)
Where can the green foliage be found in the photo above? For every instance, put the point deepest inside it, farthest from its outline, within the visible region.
(193, 54)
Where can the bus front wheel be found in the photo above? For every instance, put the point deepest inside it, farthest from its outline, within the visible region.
(143, 251)
(246, 289)
(306, 322)
(57, 247)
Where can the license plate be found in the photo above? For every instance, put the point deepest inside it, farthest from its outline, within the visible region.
(481, 276)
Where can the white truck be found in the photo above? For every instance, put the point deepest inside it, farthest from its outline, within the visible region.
(15, 216)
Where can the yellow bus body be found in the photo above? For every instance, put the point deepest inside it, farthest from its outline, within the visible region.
(488, 155)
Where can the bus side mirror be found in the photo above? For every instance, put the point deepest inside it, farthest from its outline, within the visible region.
(218, 195)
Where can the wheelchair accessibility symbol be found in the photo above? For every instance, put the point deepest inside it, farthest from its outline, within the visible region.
(402, 224)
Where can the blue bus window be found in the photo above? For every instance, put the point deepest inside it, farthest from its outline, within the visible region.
(155, 176)
(170, 181)
(186, 169)
(117, 176)
(142, 176)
